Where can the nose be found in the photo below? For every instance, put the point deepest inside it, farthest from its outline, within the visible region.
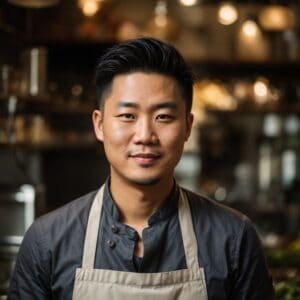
(145, 132)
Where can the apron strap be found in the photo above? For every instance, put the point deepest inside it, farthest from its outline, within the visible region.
(91, 235)
(188, 233)
(185, 221)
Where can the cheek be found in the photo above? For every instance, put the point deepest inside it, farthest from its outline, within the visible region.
(115, 134)
(115, 140)
(173, 139)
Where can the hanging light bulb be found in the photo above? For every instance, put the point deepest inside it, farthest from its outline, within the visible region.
(227, 14)
(250, 28)
(161, 25)
(261, 90)
(251, 43)
(188, 2)
(277, 18)
(89, 7)
(161, 12)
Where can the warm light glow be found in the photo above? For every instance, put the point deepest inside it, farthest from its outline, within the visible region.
(227, 14)
(250, 28)
(261, 90)
(161, 12)
(89, 7)
(161, 25)
(188, 2)
(161, 21)
(214, 94)
(277, 18)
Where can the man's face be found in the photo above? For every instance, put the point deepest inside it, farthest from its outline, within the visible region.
(143, 127)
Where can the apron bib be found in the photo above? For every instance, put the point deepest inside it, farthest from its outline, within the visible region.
(186, 284)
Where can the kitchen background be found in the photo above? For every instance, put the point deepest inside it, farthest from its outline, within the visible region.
(245, 147)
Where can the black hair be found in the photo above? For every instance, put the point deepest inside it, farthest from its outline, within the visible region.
(147, 55)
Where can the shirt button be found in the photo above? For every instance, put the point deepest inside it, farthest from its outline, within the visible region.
(114, 229)
(111, 243)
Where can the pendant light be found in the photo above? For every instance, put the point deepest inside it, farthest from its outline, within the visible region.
(251, 44)
(277, 17)
(161, 25)
(227, 13)
(188, 2)
(250, 27)
(90, 7)
(34, 3)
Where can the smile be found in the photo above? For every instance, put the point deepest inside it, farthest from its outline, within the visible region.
(145, 159)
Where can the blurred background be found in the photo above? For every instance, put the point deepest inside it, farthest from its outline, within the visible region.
(245, 146)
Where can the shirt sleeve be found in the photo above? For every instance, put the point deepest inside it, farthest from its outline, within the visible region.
(252, 280)
(31, 276)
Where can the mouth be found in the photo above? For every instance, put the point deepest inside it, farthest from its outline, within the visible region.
(145, 159)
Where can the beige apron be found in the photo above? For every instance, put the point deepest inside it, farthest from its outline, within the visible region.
(186, 284)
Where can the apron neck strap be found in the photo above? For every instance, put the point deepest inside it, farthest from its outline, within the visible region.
(188, 233)
(185, 221)
(91, 234)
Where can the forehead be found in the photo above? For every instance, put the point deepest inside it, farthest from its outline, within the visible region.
(140, 86)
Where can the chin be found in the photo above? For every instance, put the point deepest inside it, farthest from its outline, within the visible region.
(145, 181)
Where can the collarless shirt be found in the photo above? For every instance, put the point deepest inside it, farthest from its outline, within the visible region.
(120, 239)
(228, 249)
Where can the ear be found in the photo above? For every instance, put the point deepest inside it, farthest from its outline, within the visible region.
(189, 124)
(98, 124)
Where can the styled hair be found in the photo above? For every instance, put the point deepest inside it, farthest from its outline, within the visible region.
(146, 55)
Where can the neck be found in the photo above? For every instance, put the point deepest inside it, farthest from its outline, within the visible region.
(137, 203)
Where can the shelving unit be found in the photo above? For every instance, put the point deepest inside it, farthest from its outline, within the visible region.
(281, 109)
(231, 143)
(73, 60)
(31, 105)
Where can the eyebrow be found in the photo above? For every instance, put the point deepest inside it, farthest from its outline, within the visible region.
(167, 104)
(127, 104)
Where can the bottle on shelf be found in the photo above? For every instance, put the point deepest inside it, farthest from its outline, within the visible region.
(290, 152)
(269, 163)
(291, 172)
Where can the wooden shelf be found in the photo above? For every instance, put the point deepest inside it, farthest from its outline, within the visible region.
(11, 34)
(278, 109)
(244, 64)
(45, 105)
(52, 146)
(72, 43)
(275, 69)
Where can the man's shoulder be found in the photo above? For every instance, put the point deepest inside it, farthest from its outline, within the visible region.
(71, 209)
(209, 212)
(73, 214)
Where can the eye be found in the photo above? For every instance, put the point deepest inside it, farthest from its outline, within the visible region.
(165, 118)
(126, 117)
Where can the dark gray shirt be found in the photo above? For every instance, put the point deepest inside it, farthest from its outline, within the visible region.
(228, 249)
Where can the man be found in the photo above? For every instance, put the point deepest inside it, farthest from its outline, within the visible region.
(141, 236)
